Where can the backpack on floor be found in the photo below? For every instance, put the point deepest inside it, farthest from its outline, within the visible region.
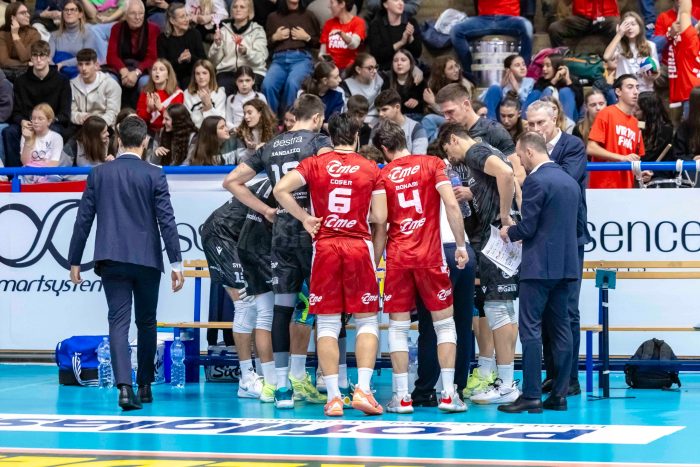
(76, 358)
(651, 376)
(586, 67)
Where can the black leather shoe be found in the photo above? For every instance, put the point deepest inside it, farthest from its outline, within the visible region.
(127, 399)
(574, 389)
(145, 394)
(424, 399)
(521, 405)
(555, 403)
(547, 385)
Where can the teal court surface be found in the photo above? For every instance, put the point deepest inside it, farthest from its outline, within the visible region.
(43, 424)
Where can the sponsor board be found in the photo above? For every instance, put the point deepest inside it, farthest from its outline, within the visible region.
(352, 429)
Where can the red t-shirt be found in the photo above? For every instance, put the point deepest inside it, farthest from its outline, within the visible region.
(616, 132)
(664, 22)
(342, 55)
(154, 120)
(683, 66)
(499, 7)
(413, 205)
(341, 186)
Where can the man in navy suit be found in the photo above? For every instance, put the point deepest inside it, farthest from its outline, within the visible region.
(131, 200)
(549, 264)
(569, 152)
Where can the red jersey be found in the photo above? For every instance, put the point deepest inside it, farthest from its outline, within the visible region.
(340, 187)
(413, 205)
(683, 66)
(502, 7)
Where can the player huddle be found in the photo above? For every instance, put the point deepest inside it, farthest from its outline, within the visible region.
(335, 214)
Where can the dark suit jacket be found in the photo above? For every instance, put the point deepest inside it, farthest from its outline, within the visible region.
(548, 228)
(570, 154)
(131, 200)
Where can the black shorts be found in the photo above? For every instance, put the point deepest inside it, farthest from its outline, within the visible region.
(222, 257)
(495, 284)
(257, 272)
(290, 268)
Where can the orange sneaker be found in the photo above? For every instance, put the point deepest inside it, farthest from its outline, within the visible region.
(334, 408)
(366, 403)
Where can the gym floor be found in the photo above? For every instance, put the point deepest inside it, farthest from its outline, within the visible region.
(43, 424)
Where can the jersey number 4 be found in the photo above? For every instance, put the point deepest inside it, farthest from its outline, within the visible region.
(414, 202)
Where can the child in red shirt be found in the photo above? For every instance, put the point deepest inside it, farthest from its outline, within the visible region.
(160, 92)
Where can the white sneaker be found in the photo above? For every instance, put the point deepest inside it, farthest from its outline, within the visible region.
(451, 402)
(251, 388)
(400, 405)
(498, 394)
(320, 383)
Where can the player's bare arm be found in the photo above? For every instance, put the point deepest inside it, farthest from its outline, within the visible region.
(235, 183)
(283, 193)
(497, 168)
(454, 218)
(377, 217)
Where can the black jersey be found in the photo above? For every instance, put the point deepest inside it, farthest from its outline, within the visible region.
(277, 157)
(226, 221)
(256, 234)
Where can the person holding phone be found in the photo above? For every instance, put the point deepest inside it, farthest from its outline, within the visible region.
(342, 35)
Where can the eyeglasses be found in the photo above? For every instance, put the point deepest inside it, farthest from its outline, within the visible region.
(370, 68)
(70, 10)
(40, 55)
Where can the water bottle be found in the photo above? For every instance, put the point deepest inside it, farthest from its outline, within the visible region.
(412, 364)
(456, 180)
(177, 368)
(104, 370)
(133, 356)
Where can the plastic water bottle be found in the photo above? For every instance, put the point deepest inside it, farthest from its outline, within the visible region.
(412, 364)
(177, 369)
(456, 180)
(133, 356)
(104, 370)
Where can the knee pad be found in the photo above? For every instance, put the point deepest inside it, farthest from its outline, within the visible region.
(499, 313)
(264, 304)
(244, 316)
(398, 335)
(369, 325)
(445, 331)
(328, 326)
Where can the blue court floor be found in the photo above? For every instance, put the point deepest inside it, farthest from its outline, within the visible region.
(44, 424)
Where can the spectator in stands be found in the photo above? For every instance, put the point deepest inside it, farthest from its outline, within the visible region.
(373, 8)
(633, 53)
(388, 103)
(160, 92)
(564, 123)
(480, 108)
(87, 148)
(615, 136)
(663, 26)
(40, 146)
(657, 131)
(594, 102)
(362, 79)
(686, 141)
(132, 50)
(203, 96)
(173, 142)
(556, 79)
(373, 154)
(212, 145)
(93, 93)
(207, 15)
(292, 32)
(41, 84)
(358, 108)
(16, 40)
(180, 44)
(445, 70)
(510, 116)
(402, 78)
(113, 141)
(156, 11)
(102, 15)
(324, 83)
(392, 30)
(342, 34)
(683, 58)
(588, 17)
(514, 81)
(495, 17)
(258, 127)
(245, 78)
(72, 35)
(47, 17)
(239, 42)
(6, 103)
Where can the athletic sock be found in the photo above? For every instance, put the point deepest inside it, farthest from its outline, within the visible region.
(364, 376)
(282, 377)
(486, 366)
(401, 384)
(505, 374)
(331, 386)
(298, 366)
(247, 370)
(268, 371)
(448, 379)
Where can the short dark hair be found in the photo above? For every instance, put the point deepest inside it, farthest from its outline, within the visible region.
(343, 129)
(40, 48)
(389, 135)
(86, 55)
(371, 153)
(534, 141)
(449, 129)
(307, 105)
(132, 131)
(387, 97)
(358, 104)
(617, 84)
(453, 92)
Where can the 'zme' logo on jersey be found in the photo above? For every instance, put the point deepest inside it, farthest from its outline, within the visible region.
(314, 299)
(443, 294)
(408, 226)
(368, 298)
(399, 174)
(336, 169)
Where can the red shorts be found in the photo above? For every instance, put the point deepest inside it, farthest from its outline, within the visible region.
(343, 277)
(402, 285)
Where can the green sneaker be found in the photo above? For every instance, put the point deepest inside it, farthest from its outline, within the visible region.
(305, 390)
(477, 383)
(268, 393)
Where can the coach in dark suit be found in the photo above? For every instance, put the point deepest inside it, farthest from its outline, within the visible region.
(131, 200)
(549, 263)
(569, 152)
